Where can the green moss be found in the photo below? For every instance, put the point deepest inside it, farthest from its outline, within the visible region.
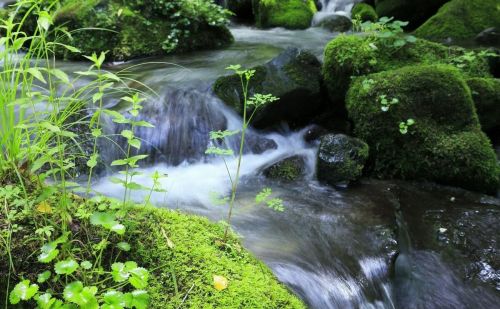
(290, 14)
(131, 29)
(182, 252)
(364, 11)
(461, 20)
(486, 96)
(445, 145)
(289, 169)
(198, 254)
(349, 55)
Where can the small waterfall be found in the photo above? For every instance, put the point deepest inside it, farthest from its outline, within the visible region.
(333, 7)
(338, 6)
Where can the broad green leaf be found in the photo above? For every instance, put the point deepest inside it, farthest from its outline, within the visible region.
(49, 253)
(119, 272)
(37, 74)
(118, 229)
(124, 246)
(66, 267)
(44, 20)
(138, 299)
(76, 293)
(23, 291)
(139, 277)
(86, 265)
(60, 75)
(104, 219)
(44, 276)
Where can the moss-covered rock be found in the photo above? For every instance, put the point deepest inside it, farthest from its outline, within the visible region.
(486, 96)
(293, 76)
(445, 144)
(364, 11)
(199, 254)
(182, 252)
(461, 20)
(341, 159)
(131, 29)
(415, 12)
(289, 169)
(290, 14)
(350, 55)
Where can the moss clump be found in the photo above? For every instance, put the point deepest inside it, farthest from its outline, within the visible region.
(415, 12)
(349, 55)
(444, 145)
(486, 96)
(131, 29)
(182, 252)
(364, 11)
(290, 14)
(198, 254)
(461, 20)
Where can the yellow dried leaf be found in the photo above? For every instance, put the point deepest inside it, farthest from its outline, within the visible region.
(44, 207)
(220, 283)
(170, 244)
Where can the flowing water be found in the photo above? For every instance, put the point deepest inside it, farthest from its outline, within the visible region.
(336, 248)
(358, 247)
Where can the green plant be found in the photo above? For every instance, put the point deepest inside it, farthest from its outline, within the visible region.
(385, 102)
(405, 125)
(387, 31)
(250, 107)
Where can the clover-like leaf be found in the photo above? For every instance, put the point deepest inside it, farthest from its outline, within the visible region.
(49, 252)
(76, 293)
(23, 291)
(138, 299)
(66, 267)
(86, 265)
(124, 246)
(44, 276)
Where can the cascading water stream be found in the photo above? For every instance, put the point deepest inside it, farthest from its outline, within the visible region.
(334, 247)
(332, 8)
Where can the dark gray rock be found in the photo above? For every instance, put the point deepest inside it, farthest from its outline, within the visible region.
(489, 37)
(293, 76)
(340, 159)
(335, 23)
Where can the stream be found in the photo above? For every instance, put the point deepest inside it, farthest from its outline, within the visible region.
(377, 244)
(358, 247)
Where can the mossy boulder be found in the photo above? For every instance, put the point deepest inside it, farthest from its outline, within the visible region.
(341, 159)
(364, 11)
(199, 254)
(461, 20)
(415, 12)
(182, 252)
(293, 76)
(352, 55)
(445, 144)
(486, 96)
(290, 14)
(132, 29)
(287, 170)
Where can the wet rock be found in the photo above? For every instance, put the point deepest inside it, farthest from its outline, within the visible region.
(293, 76)
(461, 226)
(313, 133)
(258, 144)
(489, 37)
(335, 23)
(287, 170)
(341, 159)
